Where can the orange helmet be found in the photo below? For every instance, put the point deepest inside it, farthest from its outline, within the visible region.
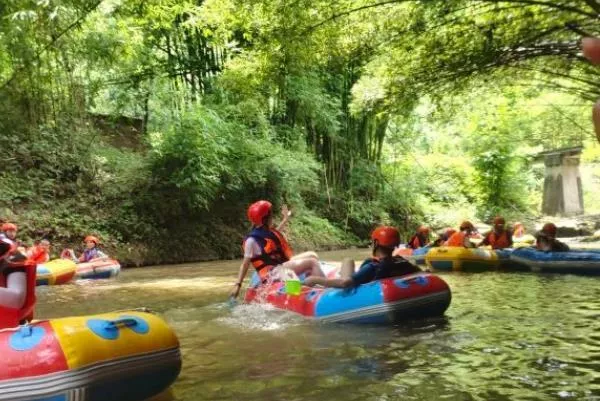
(549, 229)
(91, 238)
(423, 230)
(466, 225)
(386, 236)
(499, 221)
(9, 226)
(258, 211)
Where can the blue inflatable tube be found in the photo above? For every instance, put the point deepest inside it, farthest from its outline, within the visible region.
(573, 262)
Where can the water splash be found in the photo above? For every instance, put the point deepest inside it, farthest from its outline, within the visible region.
(259, 316)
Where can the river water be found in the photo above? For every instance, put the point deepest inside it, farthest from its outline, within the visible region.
(506, 336)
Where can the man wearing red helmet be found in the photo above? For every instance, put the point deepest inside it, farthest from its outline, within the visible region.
(499, 237)
(546, 240)
(420, 239)
(17, 281)
(382, 265)
(461, 238)
(266, 248)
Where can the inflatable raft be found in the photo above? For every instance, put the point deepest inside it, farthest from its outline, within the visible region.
(462, 259)
(414, 256)
(379, 302)
(55, 272)
(523, 241)
(418, 256)
(98, 269)
(115, 356)
(573, 262)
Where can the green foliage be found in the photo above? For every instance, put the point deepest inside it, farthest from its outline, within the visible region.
(498, 180)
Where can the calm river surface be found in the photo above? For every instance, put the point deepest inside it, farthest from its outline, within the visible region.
(506, 336)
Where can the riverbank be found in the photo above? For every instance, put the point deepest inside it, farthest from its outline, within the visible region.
(222, 245)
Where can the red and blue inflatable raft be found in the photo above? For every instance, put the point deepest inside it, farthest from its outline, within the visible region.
(379, 302)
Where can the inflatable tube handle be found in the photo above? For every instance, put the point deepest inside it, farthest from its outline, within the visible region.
(118, 323)
(109, 329)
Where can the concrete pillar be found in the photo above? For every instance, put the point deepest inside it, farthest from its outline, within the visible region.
(563, 193)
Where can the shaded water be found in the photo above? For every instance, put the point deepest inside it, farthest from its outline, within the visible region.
(506, 336)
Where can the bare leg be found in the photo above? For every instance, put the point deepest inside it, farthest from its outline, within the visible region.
(306, 255)
(13, 296)
(347, 268)
(309, 266)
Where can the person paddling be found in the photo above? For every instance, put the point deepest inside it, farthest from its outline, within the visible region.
(267, 250)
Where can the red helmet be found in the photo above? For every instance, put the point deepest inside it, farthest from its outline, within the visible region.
(386, 236)
(258, 211)
(466, 225)
(423, 230)
(92, 239)
(9, 226)
(549, 229)
(499, 221)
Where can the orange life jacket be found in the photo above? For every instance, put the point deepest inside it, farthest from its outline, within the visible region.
(499, 241)
(11, 317)
(275, 250)
(38, 254)
(457, 239)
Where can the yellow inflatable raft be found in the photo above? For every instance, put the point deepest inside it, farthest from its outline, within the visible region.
(523, 241)
(462, 259)
(55, 272)
(128, 356)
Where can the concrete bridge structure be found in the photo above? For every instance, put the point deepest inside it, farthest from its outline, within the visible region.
(563, 191)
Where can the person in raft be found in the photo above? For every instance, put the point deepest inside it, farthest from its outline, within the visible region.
(9, 230)
(420, 239)
(462, 237)
(499, 237)
(546, 240)
(266, 248)
(518, 230)
(40, 252)
(443, 236)
(90, 253)
(381, 265)
(17, 284)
